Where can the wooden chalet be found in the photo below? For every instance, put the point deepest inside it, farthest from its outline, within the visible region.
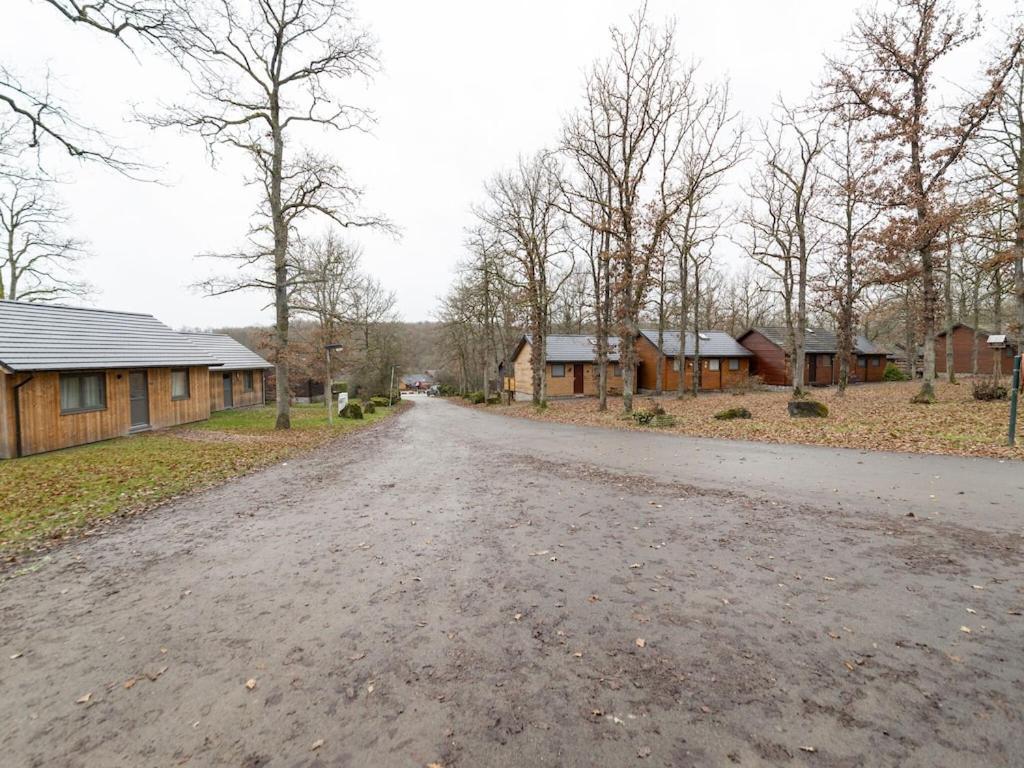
(240, 379)
(965, 340)
(70, 376)
(771, 358)
(723, 361)
(571, 367)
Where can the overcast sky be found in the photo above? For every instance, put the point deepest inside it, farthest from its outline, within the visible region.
(466, 87)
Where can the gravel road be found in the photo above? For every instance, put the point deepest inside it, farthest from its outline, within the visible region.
(460, 589)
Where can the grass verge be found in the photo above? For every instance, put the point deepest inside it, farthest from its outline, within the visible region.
(51, 496)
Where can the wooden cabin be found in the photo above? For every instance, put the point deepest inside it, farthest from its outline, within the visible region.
(70, 376)
(724, 362)
(964, 339)
(771, 358)
(571, 367)
(240, 380)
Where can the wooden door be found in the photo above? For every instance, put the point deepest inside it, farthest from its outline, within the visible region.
(138, 393)
(812, 368)
(577, 378)
(229, 395)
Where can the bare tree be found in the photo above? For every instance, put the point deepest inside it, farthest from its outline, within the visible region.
(527, 226)
(851, 216)
(39, 113)
(889, 79)
(781, 219)
(261, 69)
(38, 258)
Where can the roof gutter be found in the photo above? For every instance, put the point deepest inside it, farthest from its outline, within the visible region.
(17, 415)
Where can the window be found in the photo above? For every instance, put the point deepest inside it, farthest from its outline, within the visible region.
(714, 364)
(617, 371)
(247, 381)
(861, 361)
(825, 361)
(734, 363)
(179, 384)
(558, 370)
(81, 392)
(675, 365)
(875, 362)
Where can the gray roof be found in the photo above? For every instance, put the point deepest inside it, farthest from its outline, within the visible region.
(234, 355)
(819, 340)
(576, 348)
(46, 337)
(712, 344)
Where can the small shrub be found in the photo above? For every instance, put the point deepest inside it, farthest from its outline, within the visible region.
(643, 417)
(476, 398)
(446, 390)
(807, 409)
(733, 413)
(380, 401)
(339, 387)
(894, 373)
(662, 420)
(352, 411)
(990, 389)
(369, 407)
(494, 400)
(746, 383)
(655, 407)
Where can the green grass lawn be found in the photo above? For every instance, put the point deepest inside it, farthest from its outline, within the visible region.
(52, 495)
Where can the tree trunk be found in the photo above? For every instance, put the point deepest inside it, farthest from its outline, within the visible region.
(684, 278)
(281, 308)
(695, 379)
(950, 373)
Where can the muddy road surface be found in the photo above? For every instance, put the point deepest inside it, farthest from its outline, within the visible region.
(459, 589)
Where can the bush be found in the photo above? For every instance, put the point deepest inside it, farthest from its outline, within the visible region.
(733, 413)
(807, 409)
(339, 387)
(352, 411)
(655, 407)
(990, 389)
(643, 417)
(476, 398)
(446, 390)
(664, 420)
(746, 383)
(369, 407)
(380, 401)
(894, 373)
(494, 400)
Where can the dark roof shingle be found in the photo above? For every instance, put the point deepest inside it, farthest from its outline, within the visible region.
(819, 340)
(576, 348)
(712, 344)
(47, 337)
(234, 355)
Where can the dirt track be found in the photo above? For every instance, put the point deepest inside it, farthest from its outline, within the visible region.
(444, 589)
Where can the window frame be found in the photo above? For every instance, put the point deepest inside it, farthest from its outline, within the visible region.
(81, 376)
(876, 361)
(734, 363)
(248, 381)
(556, 367)
(188, 384)
(717, 364)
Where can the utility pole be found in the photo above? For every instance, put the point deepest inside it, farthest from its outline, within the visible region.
(329, 385)
(1014, 394)
(391, 389)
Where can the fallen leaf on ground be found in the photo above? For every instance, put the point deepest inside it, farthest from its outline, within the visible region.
(15, 656)
(317, 744)
(965, 630)
(809, 749)
(129, 682)
(84, 699)
(641, 643)
(250, 683)
(357, 656)
(636, 565)
(643, 752)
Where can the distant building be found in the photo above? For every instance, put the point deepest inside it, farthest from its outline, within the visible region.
(821, 349)
(240, 380)
(965, 340)
(417, 381)
(570, 369)
(723, 361)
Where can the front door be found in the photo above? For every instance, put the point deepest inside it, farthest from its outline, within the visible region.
(577, 379)
(229, 398)
(138, 394)
(812, 368)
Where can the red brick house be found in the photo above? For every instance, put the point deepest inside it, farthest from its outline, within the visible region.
(770, 362)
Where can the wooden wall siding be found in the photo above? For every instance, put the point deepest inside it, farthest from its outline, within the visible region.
(769, 360)
(710, 380)
(963, 349)
(241, 398)
(44, 428)
(561, 386)
(7, 445)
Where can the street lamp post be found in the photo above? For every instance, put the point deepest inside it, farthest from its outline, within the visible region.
(1013, 400)
(329, 388)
